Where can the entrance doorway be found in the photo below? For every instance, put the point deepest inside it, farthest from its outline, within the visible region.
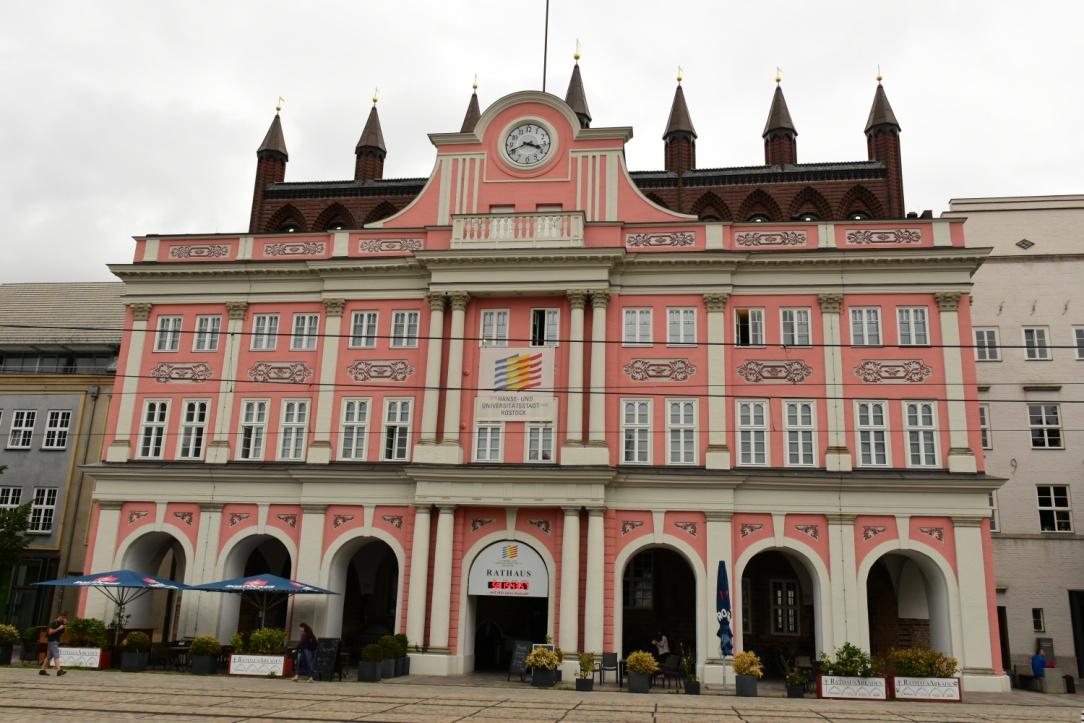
(907, 605)
(658, 596)
(156, 553)
(500, 621)
(778, 615)
(366, 573)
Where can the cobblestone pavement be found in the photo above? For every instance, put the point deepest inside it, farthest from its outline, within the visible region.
(92, 695)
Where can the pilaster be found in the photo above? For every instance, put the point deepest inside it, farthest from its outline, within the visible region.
(974, 604)
(309, 556)
(960, 456)
(439, 611)
(838, 456)
(320, 451)
(121, 448)
(720, 549)
(433, 361)
(568, 627)
(574, 407)
(105, 550)
(218, 451)
(453, 454)
(718, 453)
(846, 613)
(419, 577)
(594, 605)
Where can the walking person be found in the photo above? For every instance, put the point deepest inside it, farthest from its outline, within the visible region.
(53, 636)
(306, 652)
(1038, 670)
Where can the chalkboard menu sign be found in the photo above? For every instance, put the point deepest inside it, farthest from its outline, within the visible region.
(520, 650)
(327, 663)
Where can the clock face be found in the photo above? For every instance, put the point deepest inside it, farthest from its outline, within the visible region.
(528, 144)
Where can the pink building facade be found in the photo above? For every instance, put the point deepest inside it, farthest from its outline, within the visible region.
(534, 402)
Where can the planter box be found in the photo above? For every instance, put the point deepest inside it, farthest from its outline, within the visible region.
(639, 682)
(796, 691)
(402, 666)
(261, 665)
(387, 668)
(204, 664)
(933, 689)
(585, 685)
(5, 654)
(835, 686)
(132, 661)
(85, 658)
(543, 678)
(369, 671)
(745, 686)
(692, 687)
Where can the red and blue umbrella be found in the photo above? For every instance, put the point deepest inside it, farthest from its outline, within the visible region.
(263, 591)
(723, 612)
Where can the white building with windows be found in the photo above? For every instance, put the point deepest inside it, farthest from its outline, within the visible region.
(1028, 317)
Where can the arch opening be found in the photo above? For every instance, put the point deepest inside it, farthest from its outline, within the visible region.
(365, 573)
(658, 597)
(907, 604)
(159, 554)
(255, 555)
(778, 610)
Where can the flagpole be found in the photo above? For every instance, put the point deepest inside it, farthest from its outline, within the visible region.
(545, 45)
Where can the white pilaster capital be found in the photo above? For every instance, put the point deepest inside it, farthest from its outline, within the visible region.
(968, 521)
(715, 302)
(236, 310)
(110, 504)
(596, 511)
(334, 307)
(446, 509)
(600, 298)
(840, 518)
(211, 506)
(140, 311)
(577, 299)
(436, 301)
(313, 509)
(830, 303)
(948, 301)
(571, 511)
(719, 515)
(459, 300)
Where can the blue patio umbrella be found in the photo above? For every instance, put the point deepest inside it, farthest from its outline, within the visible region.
(723, 612)
(264, 591)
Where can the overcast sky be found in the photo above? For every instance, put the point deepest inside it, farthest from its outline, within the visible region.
(127, 118)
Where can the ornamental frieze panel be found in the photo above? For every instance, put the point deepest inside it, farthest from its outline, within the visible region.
(479, 522)
(185, 517)
(688, 527)
(883, 237)
(339, 520)
(389, 245)
(199, 251)
(542, 525)
(656, 240)
(893, 371)
(871, 531)
(793, 371)
(395, 521)
(288, 519)
(295, 248)
(748, 528)
(763, 239)
(165, 372)
(937, 533)
(237, 518)
(137, 516)
(295, 372)
(660, 370)
(813, 531)
(629, 525)
(396, 370)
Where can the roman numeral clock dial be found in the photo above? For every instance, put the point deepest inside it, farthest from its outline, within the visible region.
(528, 144)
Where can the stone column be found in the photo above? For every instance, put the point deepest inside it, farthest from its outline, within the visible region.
(718, 454)
(419, 577)
(976, 656)
(433, 360)
(720, 549)
(837, 456)
(322, 448)
(203, 610)
(105, 550)
(218, 451)
(454, 380)
(960, 456)
(594, 605)
(574, 406)
(310, 552)
(121, 447)
(439, 613)
(597, 416)
(843, 621)
(568, 638)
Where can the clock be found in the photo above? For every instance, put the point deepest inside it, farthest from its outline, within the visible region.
(527, 144)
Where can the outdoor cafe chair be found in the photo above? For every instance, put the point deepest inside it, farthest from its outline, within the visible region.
(608, 662)
(671, 670)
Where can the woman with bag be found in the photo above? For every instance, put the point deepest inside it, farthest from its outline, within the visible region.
(306, 652)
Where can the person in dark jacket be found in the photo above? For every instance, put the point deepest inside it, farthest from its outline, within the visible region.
(53, 635)
(306, 652)
(1038, 669)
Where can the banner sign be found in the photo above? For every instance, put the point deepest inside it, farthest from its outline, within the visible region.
(508, 569)
(261, 665)
(81, 657)
(506, 380)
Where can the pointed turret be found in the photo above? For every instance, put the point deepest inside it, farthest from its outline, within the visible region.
(883, 144)
(576, 97)
(271, 158)
(370, 150)
(780, 144)
(473, 111)
(680, 136)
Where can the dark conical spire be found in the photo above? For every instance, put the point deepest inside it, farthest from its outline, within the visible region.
(679, 121)
(274, 142)
(779, 115)
(371, 135)
(880, 114)
(576, 97)
(473, 112)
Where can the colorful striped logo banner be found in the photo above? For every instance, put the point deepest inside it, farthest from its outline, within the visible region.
(510, 552)
(517, 372)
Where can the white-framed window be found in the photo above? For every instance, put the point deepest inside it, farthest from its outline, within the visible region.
(397, 429)
(912, 325)
(1055, 512)
(208, 330)
(637, 327)
(487, 442)
(494, 327)
(153, 433)
(987, 345)
(265, 330)
(985, 433)
(43, 510)
(193, 428)
(545, 327)
(636, 431)
(1038, 620)
(1036, 343)
(871, 426)
(404, 329)
(681, 417)
(363, 330)
(920, 419)
(786, 607)
(681, 326)
(353, 429)
(540, 443)
(253, 428)
(746, 605)
(991, 499)
(749, 327)
(10, 497)
(1044, 421)
(167, 335)
(306, 327)
(799, 421)
(752, 432)
(795, 325)
(293, 429)
(21, 433)
(1078, 340)
(866, 326)
(639, 587)
(57, 424)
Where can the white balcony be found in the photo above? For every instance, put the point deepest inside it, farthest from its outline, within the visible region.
(547, 229)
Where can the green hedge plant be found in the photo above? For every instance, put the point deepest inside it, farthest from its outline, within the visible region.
(920, 663)
(86, 633)
(206, 645)
(9, 635)
(372, 653)
(136, 642)
(389, 647)
(266, 641)
(848, 661)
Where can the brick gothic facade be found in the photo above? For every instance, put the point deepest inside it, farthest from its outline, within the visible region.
(780, 190)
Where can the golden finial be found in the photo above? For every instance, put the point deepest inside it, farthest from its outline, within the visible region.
(376, 95)
(778, 75)
(278, 106)
(475, 83)
(879, 76)
(576, 55)
(680, 75)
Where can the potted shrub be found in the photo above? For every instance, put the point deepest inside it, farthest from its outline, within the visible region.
(9, 635)
(204, 654)
(543, 664)
(262, 654)
(86, 640)
(402, 660)
(692, 685)
(641, 667)
(922, 674)
(585, 676)
(747, 671)
(369, 665)
(848, 673)
(31, 636)
(797, 681)
(135, 647)
(389, 650)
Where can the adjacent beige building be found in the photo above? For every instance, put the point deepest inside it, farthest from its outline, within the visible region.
(1028, 318)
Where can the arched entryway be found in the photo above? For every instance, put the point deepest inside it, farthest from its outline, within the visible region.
(365, 573)
(658, 595)
(778, 610)
(255, 555)
(162, 555)
(908, 604)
